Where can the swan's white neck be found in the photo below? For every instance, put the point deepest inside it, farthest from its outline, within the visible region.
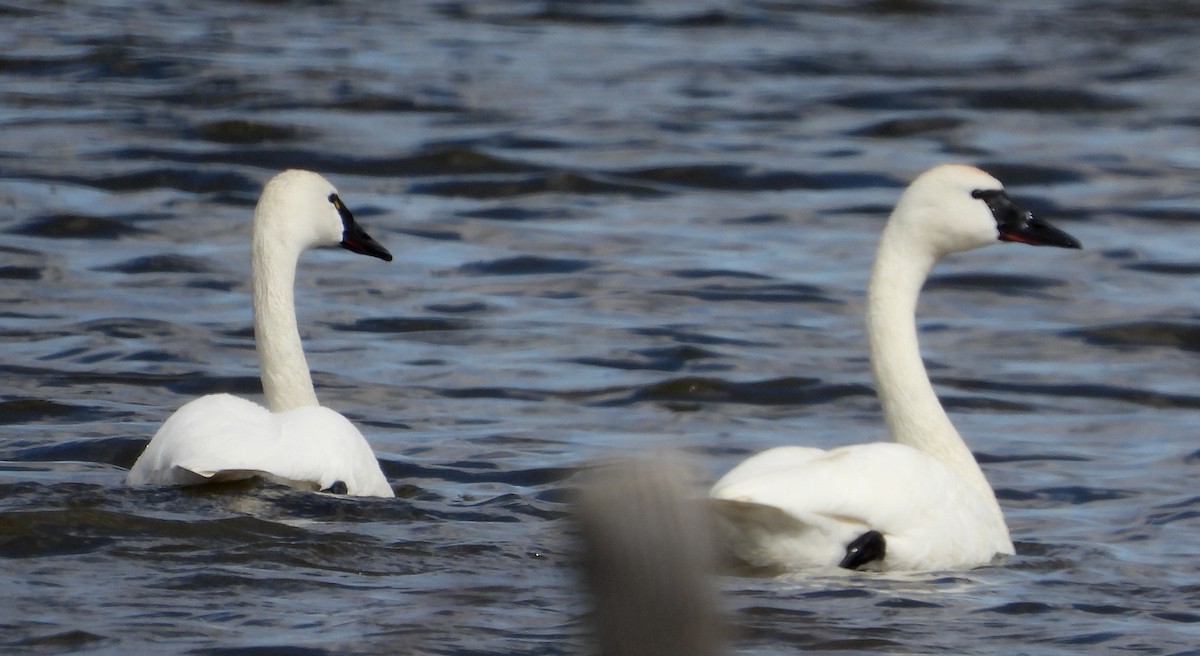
(286, 380)
(914, 415)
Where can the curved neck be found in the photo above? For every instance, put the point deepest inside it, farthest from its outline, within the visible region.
(286, 381)
(911, 408)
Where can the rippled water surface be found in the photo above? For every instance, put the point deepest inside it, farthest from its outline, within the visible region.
(619, 225)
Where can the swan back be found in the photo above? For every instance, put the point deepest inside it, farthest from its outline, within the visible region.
(931, 516)
(221, 437)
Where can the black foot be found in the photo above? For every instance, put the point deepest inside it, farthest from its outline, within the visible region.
(337, 488)
(865, 548)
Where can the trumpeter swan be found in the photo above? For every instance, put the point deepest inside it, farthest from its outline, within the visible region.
(294, 439)
(918, 504)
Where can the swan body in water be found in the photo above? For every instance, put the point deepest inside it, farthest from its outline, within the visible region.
(295, 440)
(920, 503)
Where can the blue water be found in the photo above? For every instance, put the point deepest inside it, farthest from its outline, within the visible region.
(619, 226)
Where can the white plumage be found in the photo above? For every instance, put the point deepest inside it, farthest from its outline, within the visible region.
(918, 504)
(220, 437)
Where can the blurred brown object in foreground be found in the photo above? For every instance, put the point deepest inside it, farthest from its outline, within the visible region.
(647, 559)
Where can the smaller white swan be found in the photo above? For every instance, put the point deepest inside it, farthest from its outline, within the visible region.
(921, 503)
(220, 437)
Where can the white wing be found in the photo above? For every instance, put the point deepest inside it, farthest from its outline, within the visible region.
(797, 508)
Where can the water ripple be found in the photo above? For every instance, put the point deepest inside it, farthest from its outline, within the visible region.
(639, 224)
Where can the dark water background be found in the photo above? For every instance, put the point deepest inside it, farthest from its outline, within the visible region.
(618, 225)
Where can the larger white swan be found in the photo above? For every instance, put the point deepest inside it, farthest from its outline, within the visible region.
(220, 437)
(918, 504)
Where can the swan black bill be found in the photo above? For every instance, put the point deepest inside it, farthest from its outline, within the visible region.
(866, 548)
(1018, 224)
(354, 238)
(1036, 232)
(357, 240)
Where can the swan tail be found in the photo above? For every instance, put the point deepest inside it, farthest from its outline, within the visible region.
(767, 540)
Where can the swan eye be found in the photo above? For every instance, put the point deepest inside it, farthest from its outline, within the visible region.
(1009, 216)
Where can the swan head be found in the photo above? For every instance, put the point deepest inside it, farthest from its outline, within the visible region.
(954, 207)
(301, 210)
